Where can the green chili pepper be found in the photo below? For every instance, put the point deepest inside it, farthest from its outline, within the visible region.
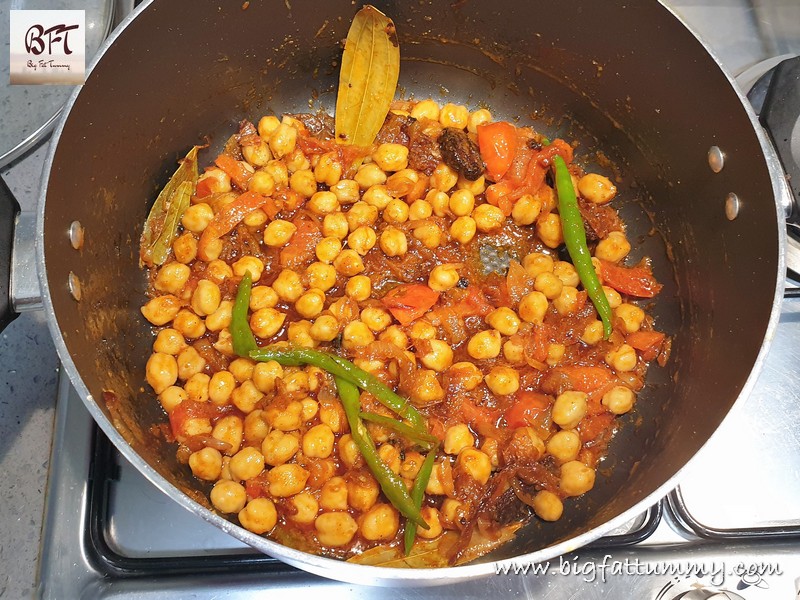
(417, 494)
(426, 440)
(391, 485)
(344, 369)
(575, 240)
(241, 335)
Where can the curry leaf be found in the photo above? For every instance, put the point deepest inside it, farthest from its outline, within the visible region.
(161, 226)
(368, 78)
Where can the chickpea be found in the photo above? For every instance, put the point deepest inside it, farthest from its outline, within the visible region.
(426, 109)
(224, 343)
(282, 140)
(476, 187)
(325, 328)
(622, 359)
(454, 115)
(242, 369)
(257, 155)
(228, 496)
(262, 182)
(440, 203)
(478, 118)
(189, 324)
(171, 398)
(393, 242)
(356, 334)
(161, 309)
(504, 320)
(185, 248)
(370, 174)
(576, 478)
(444, 277)
(219, 180)
(286, 480)
(172, 277)
(488, 218)
(566, 273)
(362, 239)
(548, 227)
(593, 333)
(206, 298)
(303, 182)
(246, 397)
(613, 296)
(197, 217)
(614, 247)
(422, 330)
(279, 447)
(475, 463)
(259, 516)
(443, 178)
(549, 284)
(441, 479)
(329, 169)
(569, 408)
(206, 464)
(463, 229)
(502, 380)
(229, 429)
(335, 225)
(323, 203)
(318, 441)
(278, 171)
(484, 344)
(218, 271)
(526, 210)
(246, 464)
(288, 286)
(267, 125)
(391, 157)
(220, 318)
(469, 376)
(420, 209)
(348, 263)
(394, 335)
(335, 528)
(288, 419)
(161, 371)
(321, 276)
(266, 322)
(333, 495)
(378, 195)
(547, 506)
(380, 523)
(346, 190)
(618, 399)
(197, 387)
(428, 388)
(278, 233)
(396, 212)
(361, 214)
(299, 334)
(349, 453)
(630, 315)
(358, 288)
(555, 352)
(362, 490)
(564, 445)
(429, 234)
(310, 304)
(438, 356)
(255, 427)
(264, 375)
(328, 248)
(306, 508)
(457, 437)
(376, 318)
(568, 302)
(169, 341)
(597, 188)
(514, 350)
(537, 263)
(452, 513)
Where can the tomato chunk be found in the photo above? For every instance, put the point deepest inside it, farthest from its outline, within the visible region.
(409, 301)
(648, 343)
(497, 143)
(528, 410)
(634, 281)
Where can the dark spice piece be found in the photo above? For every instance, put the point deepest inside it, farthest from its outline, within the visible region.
(460, 153)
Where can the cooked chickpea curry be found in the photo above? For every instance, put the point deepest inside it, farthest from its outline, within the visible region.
(366, 351)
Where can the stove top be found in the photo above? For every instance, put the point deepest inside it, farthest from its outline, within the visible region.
(731, 530)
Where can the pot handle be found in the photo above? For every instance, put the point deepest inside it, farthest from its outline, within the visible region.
(9, 211)
(780, 116)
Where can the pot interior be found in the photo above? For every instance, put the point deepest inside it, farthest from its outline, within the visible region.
(624, 79)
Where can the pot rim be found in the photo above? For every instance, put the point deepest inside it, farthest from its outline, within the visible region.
(390, 576)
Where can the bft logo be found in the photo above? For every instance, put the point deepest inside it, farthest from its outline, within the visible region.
(48, 46)
(36, 36)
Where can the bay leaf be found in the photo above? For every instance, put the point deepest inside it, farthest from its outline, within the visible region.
(368, 77)
(161, 226)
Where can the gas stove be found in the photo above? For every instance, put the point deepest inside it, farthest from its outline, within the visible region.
(731, 530)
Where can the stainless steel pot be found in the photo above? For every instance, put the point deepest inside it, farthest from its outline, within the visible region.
(627, 78)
